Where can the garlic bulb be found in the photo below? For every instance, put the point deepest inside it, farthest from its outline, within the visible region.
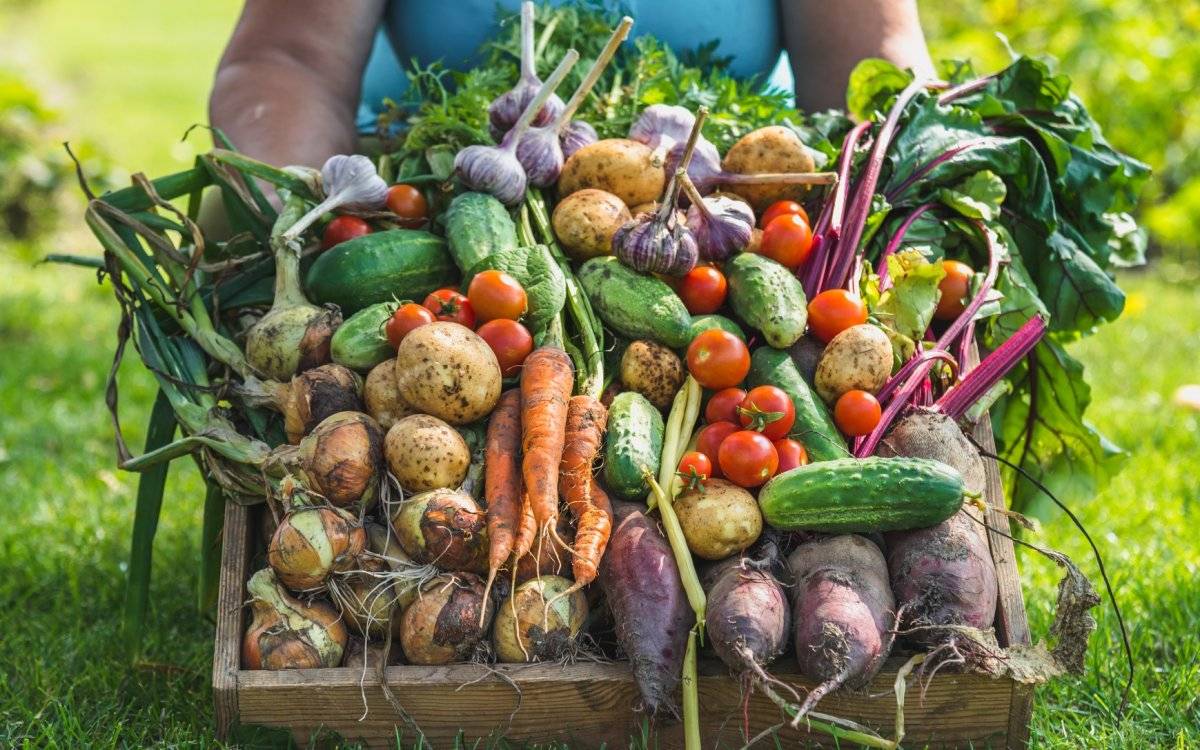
(576, 135)
(723, 226)
(505, 110)
(350, 181)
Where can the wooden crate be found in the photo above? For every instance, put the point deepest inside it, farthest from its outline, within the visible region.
(589, 704)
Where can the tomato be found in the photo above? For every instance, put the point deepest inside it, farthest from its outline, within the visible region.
(768, 410)
(747, 458)
(406, 318)
(783, 208)
(791, 454)
(954, 286)
(451, 306)
(702, 290)
(511, 342)
(788, 240)
(343, 228)
(856, 413)
(833, 311)
(718, 359)
(409, 204)
(709, 441)
(722, 407)
(495, 294)
(695, 469)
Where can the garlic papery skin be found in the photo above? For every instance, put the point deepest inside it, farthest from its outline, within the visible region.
(350, 181)
(506, 109)
(576, 135)
(723, 226)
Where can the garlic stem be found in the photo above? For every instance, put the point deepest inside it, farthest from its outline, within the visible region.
(527, 69)
(513, 137)
(781, 178)
(694, 196)
(589, 81)
(672, 189)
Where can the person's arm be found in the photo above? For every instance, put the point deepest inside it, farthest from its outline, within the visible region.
(825, 39)
(288, 85)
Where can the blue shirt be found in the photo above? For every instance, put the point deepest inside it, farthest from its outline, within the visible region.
(452, 31)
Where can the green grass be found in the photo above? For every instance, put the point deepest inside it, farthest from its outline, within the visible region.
(66, 681)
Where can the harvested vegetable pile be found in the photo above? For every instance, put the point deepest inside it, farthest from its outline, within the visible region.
(658, 367)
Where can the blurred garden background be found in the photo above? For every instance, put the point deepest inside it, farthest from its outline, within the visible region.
(122, 80)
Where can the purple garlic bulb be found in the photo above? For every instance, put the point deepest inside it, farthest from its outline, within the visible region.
(506, 109)
(541, 155)
(576, 135)
(660, 122)
(493, 170)
(651, 245)
(722, 226)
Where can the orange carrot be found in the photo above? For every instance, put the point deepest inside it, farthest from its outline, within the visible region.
(547, 380)
(586, 419)
(526, 531)
(502, 480)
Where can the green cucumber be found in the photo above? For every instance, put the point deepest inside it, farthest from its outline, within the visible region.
(634, 305)
(359, 342)
(633, 442)
(862, 495)
(768, 297)
(702, 323)
(814, 425)
(477, 227)
(393, 264)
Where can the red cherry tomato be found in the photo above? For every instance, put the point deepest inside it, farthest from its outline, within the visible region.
(788, 240)
(747, 458)
(343, 228)
(954, 288)
(782, 208)
(709, 441)
(833, 311)
(723, 405)
(409, 204)
(451, 306)
(510, 341)
(856, 413)
(695, 469)
(407, 317)
(768, 410)
(718, 359)
(702, 290)
(495, 294)
(791, 454)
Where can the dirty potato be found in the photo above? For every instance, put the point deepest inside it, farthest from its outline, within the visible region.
(425, 453)
(652, 370)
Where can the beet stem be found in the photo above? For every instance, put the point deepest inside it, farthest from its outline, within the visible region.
(955, 402)
(894, 243)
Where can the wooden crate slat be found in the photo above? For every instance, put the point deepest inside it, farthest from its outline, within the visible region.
(227, 652)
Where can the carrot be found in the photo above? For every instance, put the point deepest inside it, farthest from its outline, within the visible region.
(547, 379)
(502, 480)
(526, 531)
(587, 501)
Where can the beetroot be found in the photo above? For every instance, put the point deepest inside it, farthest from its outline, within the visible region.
(747, 616)
(843, 611)
(641, 582)
(942, 575)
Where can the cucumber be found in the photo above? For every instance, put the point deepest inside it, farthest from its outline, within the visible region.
(862, 495)
(634, 441)
(359, 342)
(702, 323)
(814, 425)
(393, 264)
(768, 297)
(633, 305)
(477, 227)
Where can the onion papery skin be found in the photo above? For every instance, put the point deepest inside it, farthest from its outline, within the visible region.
(527, 630)
(367, 601)
(312, 543)
(285, 633)
(316, 394)
(444, 528)
(291, 339)
(576, 135)
(342, 459)
(442, 625)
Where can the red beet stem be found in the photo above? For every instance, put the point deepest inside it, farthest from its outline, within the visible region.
(955, 402)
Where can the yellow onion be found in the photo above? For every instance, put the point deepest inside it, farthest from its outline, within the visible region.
(444, 624)
(285, 633)
(366, 597)
(311, 543)
(382, 543)
(307, 398)
(526, 629)
(342, 459)
(443, 527)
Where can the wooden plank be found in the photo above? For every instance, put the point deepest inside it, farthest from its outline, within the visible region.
(227, 652)
(588, 705)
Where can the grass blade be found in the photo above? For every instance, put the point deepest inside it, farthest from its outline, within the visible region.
(145, 525)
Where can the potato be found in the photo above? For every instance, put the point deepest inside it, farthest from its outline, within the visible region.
(585, 222)
(858, 358)
(652, 370)
(720, 520)
(616, 165)
(648, 207)
(425, 453)
(446, 370)
(382, 395)
(771, 149)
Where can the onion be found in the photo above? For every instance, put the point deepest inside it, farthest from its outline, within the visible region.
(443, 624)
(366, 597)
(526, 629)
(285, 633)
(342, 459)
(443, 527)
(308, 398)
(312, 543)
